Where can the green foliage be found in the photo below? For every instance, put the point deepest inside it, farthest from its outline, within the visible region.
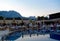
(30, 21)
(42, 18)
(1, 18)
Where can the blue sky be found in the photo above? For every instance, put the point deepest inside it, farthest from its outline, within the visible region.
(31, 7)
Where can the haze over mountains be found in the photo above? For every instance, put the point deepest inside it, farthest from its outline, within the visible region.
(14, 14)
(10, 14)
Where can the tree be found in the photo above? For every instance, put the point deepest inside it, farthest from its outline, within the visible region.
(1, 18)
(42, 18)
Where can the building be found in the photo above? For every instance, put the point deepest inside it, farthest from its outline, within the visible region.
(54, 16)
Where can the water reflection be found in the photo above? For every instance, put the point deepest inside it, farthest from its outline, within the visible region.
(29, 36)
(34, 37)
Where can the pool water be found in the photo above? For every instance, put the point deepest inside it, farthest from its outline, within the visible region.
(34, 37)
(13, 36)
(29, 36)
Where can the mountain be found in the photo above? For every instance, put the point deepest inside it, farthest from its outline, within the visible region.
(10, 14)
(14, 14)
(32, 18)
(29, 18)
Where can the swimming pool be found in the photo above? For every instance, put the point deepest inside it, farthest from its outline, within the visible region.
(36, 38)
(29, 36)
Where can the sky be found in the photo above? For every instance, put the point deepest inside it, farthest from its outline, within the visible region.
(31, 7)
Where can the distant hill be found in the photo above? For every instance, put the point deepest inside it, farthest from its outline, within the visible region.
(10, 14)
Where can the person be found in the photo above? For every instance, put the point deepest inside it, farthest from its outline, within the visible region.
(22, 23)
(51, 26)
(38, 25)
(30, 26)
(55, 25)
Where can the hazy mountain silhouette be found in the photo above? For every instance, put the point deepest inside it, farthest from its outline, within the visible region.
(10, 14)
(13, 14)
